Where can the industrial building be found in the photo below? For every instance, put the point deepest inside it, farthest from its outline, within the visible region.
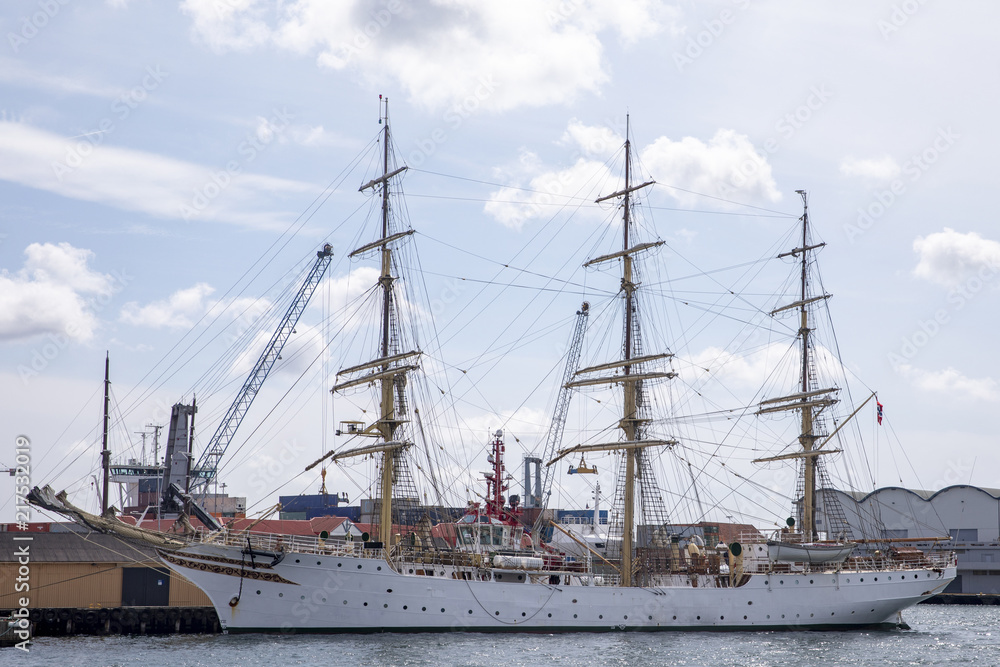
(969, 515)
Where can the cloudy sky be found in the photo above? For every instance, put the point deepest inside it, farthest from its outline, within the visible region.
(162, 166)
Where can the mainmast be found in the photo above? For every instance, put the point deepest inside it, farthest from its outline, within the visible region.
(630, 411)
(633, 366)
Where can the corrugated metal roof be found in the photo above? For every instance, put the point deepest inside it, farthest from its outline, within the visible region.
(73, 548)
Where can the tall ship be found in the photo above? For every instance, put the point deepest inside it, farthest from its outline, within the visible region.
(493, 569)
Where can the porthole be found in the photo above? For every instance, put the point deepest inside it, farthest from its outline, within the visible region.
(768, 616)
(366, 604)
(318, 563)
(626, 617)
(302, 597)
(379, 567)
(651, 618)
(404, 607)
(345, 601)
(470, 611)
(780, 581)
(423, 609)
(258, 592)
(876, 578)
(862, 580)
(744, 617)
(385, 606)
(832, 613)
(722, 618)
(675, 618)
(574, 615)
(600, 616)
(550, 615)
(811, 615)
(281, 595)
(497, 613)
(523, 614)
(296, 560)
(340, 565)
(324, 599)
(388, 590)
(782, 615)
(810, 581)
(442, 610)
(796, 615)
(699, 618)
(359, 567)
(411, 570)
(574, 601)
(749, 601)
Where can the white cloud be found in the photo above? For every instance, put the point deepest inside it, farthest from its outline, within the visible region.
(598, 141)
(949, 257)
(55, 292)
(443, 53)
(178, 311)
(546, 192)
(726, 167)
(878, 169)
(137, 181)
(952, 382)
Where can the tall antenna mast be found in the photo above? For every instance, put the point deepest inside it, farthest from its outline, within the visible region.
(105, 452)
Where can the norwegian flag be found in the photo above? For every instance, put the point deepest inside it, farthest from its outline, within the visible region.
(878, 407)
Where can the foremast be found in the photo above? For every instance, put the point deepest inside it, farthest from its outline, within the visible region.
(389, 370)
(810, 400)
(634, 367)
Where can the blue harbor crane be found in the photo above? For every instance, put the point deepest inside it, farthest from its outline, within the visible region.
(179, 484)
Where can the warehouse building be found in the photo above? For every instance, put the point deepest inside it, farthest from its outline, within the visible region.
(969, 515)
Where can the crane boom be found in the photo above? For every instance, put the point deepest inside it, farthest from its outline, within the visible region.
(558, 425)
(209, 461)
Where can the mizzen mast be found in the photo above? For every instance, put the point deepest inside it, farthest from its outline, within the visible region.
(810, 399)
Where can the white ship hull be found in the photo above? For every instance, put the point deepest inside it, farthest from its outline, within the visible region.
(324, 593)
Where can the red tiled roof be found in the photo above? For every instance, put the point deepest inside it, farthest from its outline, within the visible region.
(327, 523)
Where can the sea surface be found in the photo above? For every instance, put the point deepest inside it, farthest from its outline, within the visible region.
(939, 635)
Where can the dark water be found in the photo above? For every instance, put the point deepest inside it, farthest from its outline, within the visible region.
(940, 635)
